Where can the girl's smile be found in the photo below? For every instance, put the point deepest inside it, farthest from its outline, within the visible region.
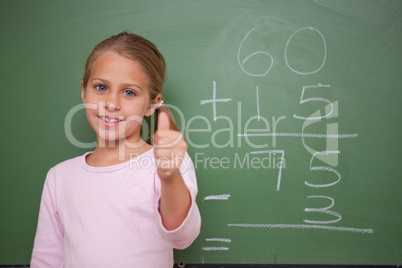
(110, 121)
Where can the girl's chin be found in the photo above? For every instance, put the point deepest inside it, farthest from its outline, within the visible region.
(116, 139)
(110, 137)
(116, 134)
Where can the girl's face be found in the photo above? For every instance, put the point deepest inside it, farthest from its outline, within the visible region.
(117, 98)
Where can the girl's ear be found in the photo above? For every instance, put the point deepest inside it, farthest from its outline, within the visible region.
(151, 108)
(83, 92)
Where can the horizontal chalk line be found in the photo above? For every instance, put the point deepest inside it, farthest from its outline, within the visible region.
(215, 100)
(305, 226)
(305, 135)
(217, 197)
(214, 248)
(226, 240)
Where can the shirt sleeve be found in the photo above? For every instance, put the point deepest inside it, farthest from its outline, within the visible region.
(187, 232)
(48, 245)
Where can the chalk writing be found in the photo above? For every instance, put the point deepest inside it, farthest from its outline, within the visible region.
(221, 240)
(302, 101)
(315, 168)
(217, 197)
(266, 54)
(318, 217)
(287, 46)
(323, 210)
(258, 104)
(214, 100)
(302, 135)
(304, 226)
(282, 152)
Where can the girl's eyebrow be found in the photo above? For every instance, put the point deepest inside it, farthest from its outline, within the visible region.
(124, 84)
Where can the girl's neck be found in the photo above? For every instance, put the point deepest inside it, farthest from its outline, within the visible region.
(112, 153)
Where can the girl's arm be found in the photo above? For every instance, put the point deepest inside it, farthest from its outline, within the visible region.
(170, 149)
(175, 202)
(182, 236)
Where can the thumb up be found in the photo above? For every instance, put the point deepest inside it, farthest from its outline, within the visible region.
(163, 121)
(169, 147)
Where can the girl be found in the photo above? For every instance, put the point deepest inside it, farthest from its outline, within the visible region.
(111, 207)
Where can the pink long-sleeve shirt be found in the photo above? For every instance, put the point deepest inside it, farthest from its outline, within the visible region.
(108, 216)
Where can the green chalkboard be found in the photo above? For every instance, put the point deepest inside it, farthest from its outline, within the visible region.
(291, 110)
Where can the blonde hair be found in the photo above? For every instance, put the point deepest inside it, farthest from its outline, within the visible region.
(146, 54)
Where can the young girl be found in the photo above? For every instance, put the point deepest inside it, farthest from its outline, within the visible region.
(112, 207)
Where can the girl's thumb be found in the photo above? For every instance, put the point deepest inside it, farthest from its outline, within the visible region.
(163, 121)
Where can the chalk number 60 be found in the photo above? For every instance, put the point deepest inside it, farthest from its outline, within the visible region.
(271, 59)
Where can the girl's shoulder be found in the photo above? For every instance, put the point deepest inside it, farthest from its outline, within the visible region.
(71, 163)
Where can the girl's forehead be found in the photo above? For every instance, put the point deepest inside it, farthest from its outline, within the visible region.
(113, 64)
(111, 57)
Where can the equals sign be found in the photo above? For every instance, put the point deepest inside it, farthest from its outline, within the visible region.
(223, 240)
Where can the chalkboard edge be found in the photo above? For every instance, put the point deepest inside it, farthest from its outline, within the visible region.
(253, 266)
(281, 266)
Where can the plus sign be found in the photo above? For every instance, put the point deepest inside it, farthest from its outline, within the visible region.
(214, 101)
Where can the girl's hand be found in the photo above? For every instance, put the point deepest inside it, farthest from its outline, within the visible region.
(169, 147)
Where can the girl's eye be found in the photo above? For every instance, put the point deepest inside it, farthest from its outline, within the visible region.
(101, 87)
(129, 93)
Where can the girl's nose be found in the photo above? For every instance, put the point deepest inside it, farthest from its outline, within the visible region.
(112, 106)
(112, 103)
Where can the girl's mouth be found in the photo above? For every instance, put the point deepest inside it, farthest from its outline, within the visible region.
(109, 121)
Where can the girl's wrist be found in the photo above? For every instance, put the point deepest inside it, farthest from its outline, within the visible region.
(170, 176)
